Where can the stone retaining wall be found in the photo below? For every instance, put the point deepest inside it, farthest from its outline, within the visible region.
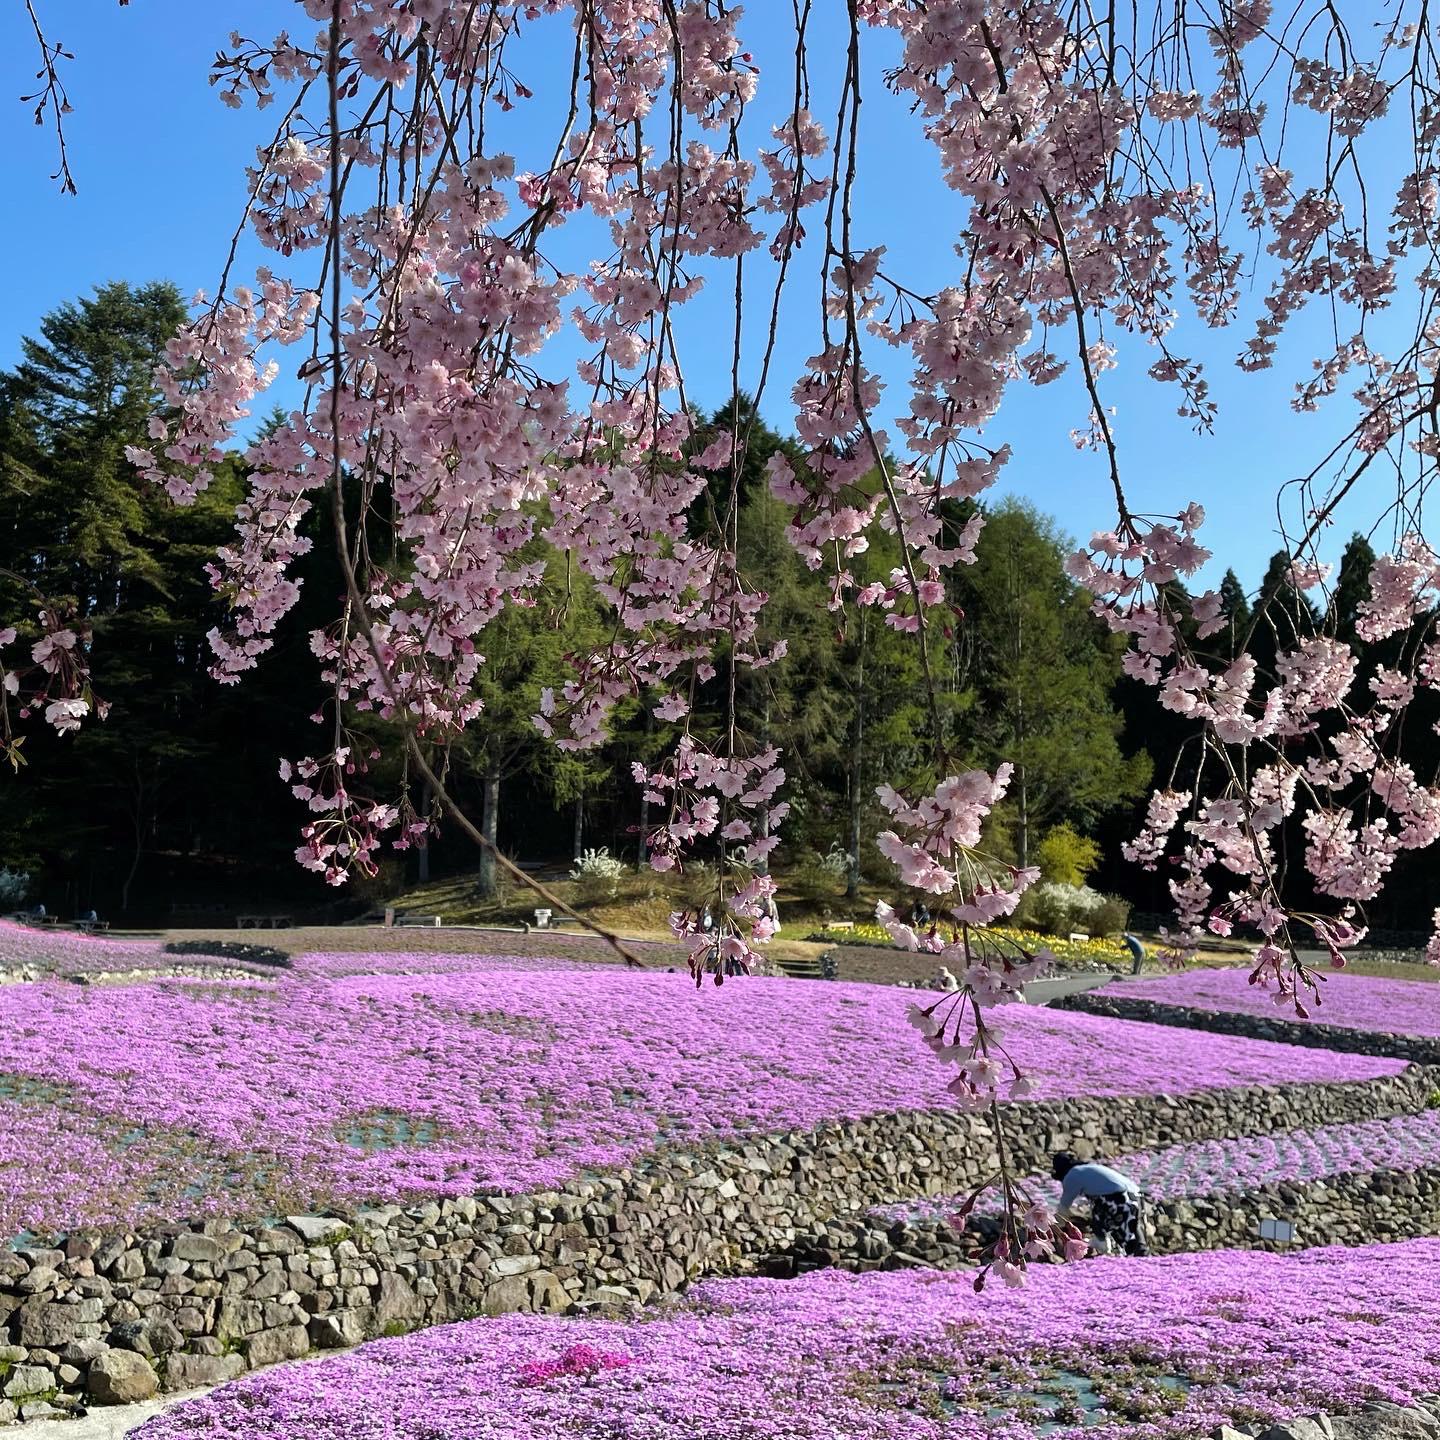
(1420, 1049)
(1357, 1208)
(112, 1318)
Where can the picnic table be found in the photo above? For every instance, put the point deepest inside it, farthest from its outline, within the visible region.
(264, 922)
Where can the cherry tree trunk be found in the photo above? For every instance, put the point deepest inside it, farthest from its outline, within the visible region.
(489, 814)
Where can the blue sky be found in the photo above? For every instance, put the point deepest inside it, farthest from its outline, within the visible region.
(159, 162)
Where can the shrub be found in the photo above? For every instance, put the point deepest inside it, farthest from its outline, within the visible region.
(231, 950)
(14, 887)
(1110, 917)
(1065, 857)
(597, 875)
(695, 885)
(387, 881)
(1060, 909)
(821, 877)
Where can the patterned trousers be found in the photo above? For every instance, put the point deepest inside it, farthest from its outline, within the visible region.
(1118, 1220)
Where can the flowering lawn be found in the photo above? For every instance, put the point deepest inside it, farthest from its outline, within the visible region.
(1408, 1142)
(168, 1098)
(333, 964)
(69, 950)
(1158, 1348)
(1356, 1002)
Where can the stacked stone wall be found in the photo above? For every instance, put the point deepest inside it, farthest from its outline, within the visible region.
(111, 1318)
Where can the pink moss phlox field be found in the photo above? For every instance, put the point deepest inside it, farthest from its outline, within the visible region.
(174, 1098)
(1209, 1167)
(55, 949)
(332, 964)
(890, 1356)
(1354, 1002)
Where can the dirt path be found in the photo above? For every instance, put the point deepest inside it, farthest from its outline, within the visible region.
(110, 1422)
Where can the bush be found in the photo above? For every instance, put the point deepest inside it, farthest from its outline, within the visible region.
(597, 876)
(230, 950)
(1062, 909)
(387, 881)
(1065, 857)
(14, 887)
(695, 885)
(820, 877)
(1111, 916)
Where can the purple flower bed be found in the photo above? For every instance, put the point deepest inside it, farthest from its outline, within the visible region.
(171, 1098)
(332, 964)
(1408, 1142)
(69, 950)
(1356, 1002)
(1155, 1348)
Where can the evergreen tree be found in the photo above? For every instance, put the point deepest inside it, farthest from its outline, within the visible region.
(73, 511)
(1283, 615)
(1352, 585)
(1235, 607)
(177, 752)
(1043, 672)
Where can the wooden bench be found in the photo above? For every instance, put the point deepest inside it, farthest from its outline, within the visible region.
(429, 922)
(263, 922)
(840, 925)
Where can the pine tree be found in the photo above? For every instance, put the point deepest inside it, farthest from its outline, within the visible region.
(1352, 585)
(177, 751)
(1044, 671)
(1283, 615)
(1235, 607)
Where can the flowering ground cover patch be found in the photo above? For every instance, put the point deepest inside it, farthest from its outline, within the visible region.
(335, 963)
(69, 950)
(1069, 954)
(169, 1098)
(1109, 1349)
(1355, 1002)
(1407, 1142)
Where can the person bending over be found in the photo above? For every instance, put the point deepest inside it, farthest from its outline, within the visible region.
(1116, 1210)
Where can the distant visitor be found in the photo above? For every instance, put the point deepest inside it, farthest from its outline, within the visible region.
(1117, 1213)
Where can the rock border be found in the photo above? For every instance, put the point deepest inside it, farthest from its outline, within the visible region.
(1418, 1049)
(1352, 1208)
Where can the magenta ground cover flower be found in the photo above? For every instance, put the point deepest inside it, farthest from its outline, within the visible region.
(1407, 1142)
(332, 964)
(172, 1098)
(1153, 1348)
(1356, 1002)
(55, 949)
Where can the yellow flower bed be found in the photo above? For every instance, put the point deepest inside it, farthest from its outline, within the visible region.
(1067, 952)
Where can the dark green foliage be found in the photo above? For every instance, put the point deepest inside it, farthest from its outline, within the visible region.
(176, 792)
(231, 950)
(1043, 669)
(174, 801)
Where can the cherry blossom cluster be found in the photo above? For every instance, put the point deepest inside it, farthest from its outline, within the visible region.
(936, 845)
(476, 393)
(1307, 741)
(55, 682)
(347, 831)
(732, 799)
